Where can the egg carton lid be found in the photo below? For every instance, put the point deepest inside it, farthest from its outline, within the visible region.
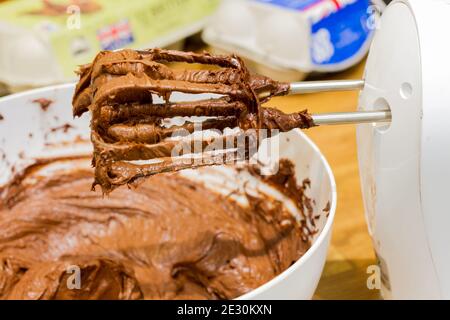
(288, 34)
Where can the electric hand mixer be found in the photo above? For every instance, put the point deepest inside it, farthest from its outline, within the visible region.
(403, 163)
(128, 126)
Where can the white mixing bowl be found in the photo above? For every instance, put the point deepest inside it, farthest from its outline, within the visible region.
(28, 132)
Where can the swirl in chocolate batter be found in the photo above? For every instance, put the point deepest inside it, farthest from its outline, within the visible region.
(172, 238)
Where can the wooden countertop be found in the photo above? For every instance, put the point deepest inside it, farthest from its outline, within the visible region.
(351, 250)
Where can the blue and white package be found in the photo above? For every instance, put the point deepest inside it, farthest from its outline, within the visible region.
(303, 35)
(340, 29)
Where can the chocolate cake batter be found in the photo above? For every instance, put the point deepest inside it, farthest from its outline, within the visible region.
(171, 238)
(117, 88)
(44, 103)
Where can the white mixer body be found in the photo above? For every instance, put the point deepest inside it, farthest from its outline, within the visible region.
(405, 165)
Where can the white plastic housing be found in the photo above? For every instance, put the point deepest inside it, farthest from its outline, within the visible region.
(405, 173)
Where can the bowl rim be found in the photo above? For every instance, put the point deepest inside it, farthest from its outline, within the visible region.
(62, 86)
(308, 254)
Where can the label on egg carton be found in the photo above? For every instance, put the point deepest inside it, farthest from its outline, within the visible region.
(43, 42)
(306, 35)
